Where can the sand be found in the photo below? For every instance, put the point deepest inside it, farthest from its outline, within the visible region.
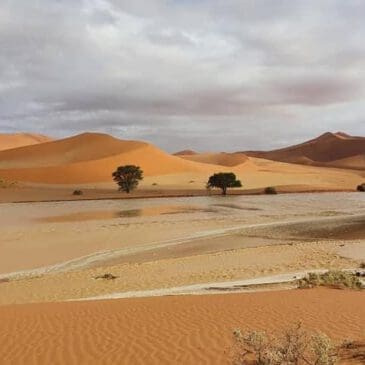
(329, 149)
(88, 160)
(10, 141)
(168, 330)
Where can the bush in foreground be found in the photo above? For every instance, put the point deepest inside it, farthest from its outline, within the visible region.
(295, 347)
(332, 278)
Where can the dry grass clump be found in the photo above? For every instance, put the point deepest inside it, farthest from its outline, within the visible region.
(270, 190)
(77, 192)
(295, 347)
(332, 278)
(106, 276)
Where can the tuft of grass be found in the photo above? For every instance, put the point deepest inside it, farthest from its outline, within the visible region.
(331, 278)
(107, 276)
(77, 192)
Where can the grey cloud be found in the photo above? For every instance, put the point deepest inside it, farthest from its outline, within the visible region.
(245, 74)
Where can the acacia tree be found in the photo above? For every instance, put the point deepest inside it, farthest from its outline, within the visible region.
(128, 177)
(224, 180)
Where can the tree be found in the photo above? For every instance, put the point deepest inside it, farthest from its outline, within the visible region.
(224, 180)
(128, 177)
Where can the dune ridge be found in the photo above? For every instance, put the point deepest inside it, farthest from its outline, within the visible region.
(16, 140)
(222, 158)
(330, 149)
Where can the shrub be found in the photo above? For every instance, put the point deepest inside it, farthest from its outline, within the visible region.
(154, 184)
(270, 190)
(295, 347)
(332, 278)
(361, 187)
(362, 265)
(77, 192)
(106, 276)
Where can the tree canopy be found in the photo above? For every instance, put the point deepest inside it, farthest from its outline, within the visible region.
(224, 180)
(128, 177)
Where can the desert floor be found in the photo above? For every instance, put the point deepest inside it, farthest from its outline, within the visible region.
(54, 252)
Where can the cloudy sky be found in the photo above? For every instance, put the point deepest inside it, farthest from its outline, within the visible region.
(202, 74)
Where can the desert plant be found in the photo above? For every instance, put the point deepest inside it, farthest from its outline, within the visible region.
(270, 190)
(106, 276)
(295, 347)
(362, 265)
(128, 177)
(361, 187)
(331, 278)
(223, 181)
(77, 192)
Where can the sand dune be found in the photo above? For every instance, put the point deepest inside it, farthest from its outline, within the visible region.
(353, 162)
(185, 153)
(323, 150)
(88, 158)
(9, 141)
(223, 159)
(168, 330)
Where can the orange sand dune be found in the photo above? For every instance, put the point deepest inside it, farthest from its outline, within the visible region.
(168, 330)
(324, 149)
(223, 159)
(88, 158)
(9, 141)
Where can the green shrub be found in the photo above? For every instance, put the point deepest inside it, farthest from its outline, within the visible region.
(332, 278)
(270, 190)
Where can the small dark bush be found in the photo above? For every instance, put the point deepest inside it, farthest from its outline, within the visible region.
(361, 187)
(154, 184)
(77, 192)
(107, 276)
(270, 190)
(362, 265)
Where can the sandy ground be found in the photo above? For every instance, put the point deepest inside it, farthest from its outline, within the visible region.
(169, 330)
(161, 243)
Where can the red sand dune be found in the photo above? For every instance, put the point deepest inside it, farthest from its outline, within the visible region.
(9, 141)
(223, 159)
(322, 151)
(168, 330)
(185, 153)
(85, 158)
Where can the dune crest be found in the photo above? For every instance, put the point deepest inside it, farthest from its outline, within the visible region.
(222, 158)
(321, 151)
(15, 140)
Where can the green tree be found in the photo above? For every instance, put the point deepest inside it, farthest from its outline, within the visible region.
(224, 180)
(128, 177)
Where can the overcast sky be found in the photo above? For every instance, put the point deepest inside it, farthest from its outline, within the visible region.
(202, 74)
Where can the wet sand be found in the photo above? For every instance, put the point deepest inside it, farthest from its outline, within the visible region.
(169, 330)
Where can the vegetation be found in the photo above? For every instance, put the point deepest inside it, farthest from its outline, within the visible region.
(223, 181)
(128, 177)
(270, 190)
(295, 347)
(361, 187)
(362, 265)
(77, 192)
(106, 276)
(6, 184)
(332, 278)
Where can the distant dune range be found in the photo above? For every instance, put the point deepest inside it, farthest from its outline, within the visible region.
(9, 141)
(330, 149)
(90, 158)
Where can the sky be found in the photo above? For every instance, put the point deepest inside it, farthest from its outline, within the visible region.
(207, 75)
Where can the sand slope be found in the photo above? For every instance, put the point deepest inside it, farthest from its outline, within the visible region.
(168, 330)
(9, 141)
(323, 150)
(185, 153)
(86, 158)
(223, 159)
